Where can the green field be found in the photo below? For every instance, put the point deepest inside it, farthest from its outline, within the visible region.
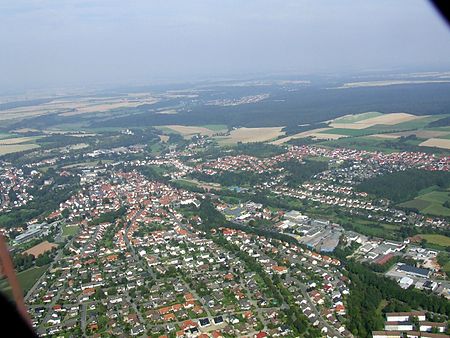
(408, 125)
(166, 130)
(430, 202)
(26, 279)
(7, 135)
(70, 230)
(361, 143)
(440, 240)
(349, 132)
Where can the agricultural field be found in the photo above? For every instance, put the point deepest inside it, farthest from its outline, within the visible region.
(430, 203)
(16, 148)
(215, 127)
(40, 248)
(304, 134)
(369, 130)
(348, 132)
(189, 131)
(247, 135)
(16, 140)
(352, 118)
(421, 133)
(435, 239)
(26, 279)
(77, 106)
(10, 143)
(436, 143)
(384, 119)
(369, 143)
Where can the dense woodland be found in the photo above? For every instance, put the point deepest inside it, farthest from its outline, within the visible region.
(294, 108)
(301, 172)
(368, 289)
(404, 185)
(232, 178)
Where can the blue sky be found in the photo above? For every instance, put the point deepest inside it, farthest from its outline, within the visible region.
(109, 42)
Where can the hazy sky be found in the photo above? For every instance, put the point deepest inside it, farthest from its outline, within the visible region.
(48, 43)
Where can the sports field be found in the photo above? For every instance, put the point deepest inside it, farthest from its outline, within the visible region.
(40, 248)
(70, 230)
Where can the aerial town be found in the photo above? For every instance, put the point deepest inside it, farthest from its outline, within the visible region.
(179, 244)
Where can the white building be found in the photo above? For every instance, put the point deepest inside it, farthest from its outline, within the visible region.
(386, 334)
(398, 326)
(404, 316)
(428, 326)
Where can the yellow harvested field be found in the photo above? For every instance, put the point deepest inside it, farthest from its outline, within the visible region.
(164, 138)
(108, 106)
(189, 131)
(436, 143)
(15, 148)
(303, 134)
(356, 125)
(16, 140)
(386, 119)
(385, 136)
(40, 248)
(77, 106)
(246, 135)
(325, 136)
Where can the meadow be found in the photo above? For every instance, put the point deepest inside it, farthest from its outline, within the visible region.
(430, 202)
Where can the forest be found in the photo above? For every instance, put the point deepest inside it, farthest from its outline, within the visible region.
(232, 178)
(301, 172)
(404, 185)
(368, 289)
(294, 109)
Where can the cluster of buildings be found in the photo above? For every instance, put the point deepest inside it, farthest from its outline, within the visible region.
(421, 270)
(314, 280)
(14, 188)
(411, 325)
(320, 235)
